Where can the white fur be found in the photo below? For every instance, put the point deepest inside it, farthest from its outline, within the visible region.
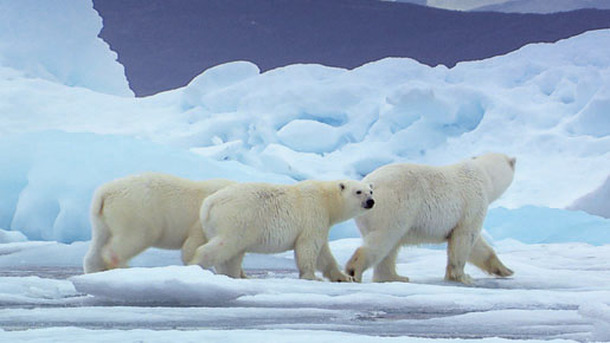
(134, 213)
(266, 218)
(424, 204)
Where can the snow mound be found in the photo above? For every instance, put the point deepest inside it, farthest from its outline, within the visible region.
(12, 236)
(599, 313)
(166, 285)
(545, 104)
(296, 134)
(34, 290)
(58, 41)
(596, 202)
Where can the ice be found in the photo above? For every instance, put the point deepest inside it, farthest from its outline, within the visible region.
(253, 336)
(57, 41)
(543, 104)
(47, 187)
(534, 225)
(547, 298)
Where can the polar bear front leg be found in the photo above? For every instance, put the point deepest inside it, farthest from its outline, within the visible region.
(306, 253)
(329, 266)
(459, 247)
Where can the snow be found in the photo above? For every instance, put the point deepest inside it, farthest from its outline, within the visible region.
(595, 202)
(69, 123)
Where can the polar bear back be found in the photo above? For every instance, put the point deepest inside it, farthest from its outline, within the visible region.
(163, 206)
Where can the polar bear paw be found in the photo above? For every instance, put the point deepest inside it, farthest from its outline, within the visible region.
(338, 276)
(495, 267)
(462, 278)
(390, 278)
(310, 276)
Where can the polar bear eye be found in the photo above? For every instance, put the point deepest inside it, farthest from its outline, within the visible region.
(358, 192)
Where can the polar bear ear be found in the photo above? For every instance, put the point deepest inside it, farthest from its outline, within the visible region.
(342, 186)
(512, 161)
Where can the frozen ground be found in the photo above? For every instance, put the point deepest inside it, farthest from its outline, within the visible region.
(559, 291)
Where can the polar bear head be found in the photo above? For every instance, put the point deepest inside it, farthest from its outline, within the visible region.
(356, 198)
(499, 169)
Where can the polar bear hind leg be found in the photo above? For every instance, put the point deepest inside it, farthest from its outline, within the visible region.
(94, 262)
(385, 271)
(484, 257)
(195, 239)
(217, 252)
(120, 249)
(232, 267)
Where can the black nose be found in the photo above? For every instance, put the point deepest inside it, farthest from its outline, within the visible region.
(369, 203)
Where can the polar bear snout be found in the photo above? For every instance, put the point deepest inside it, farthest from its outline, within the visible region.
(368, 203)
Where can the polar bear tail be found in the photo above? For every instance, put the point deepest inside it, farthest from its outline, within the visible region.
(204, 213)
(100, 235)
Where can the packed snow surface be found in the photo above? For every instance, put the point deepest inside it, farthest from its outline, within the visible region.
(559, 291)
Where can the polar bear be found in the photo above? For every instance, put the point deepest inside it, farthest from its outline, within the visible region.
(136, 212)
(424, 204)
(266, 218)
